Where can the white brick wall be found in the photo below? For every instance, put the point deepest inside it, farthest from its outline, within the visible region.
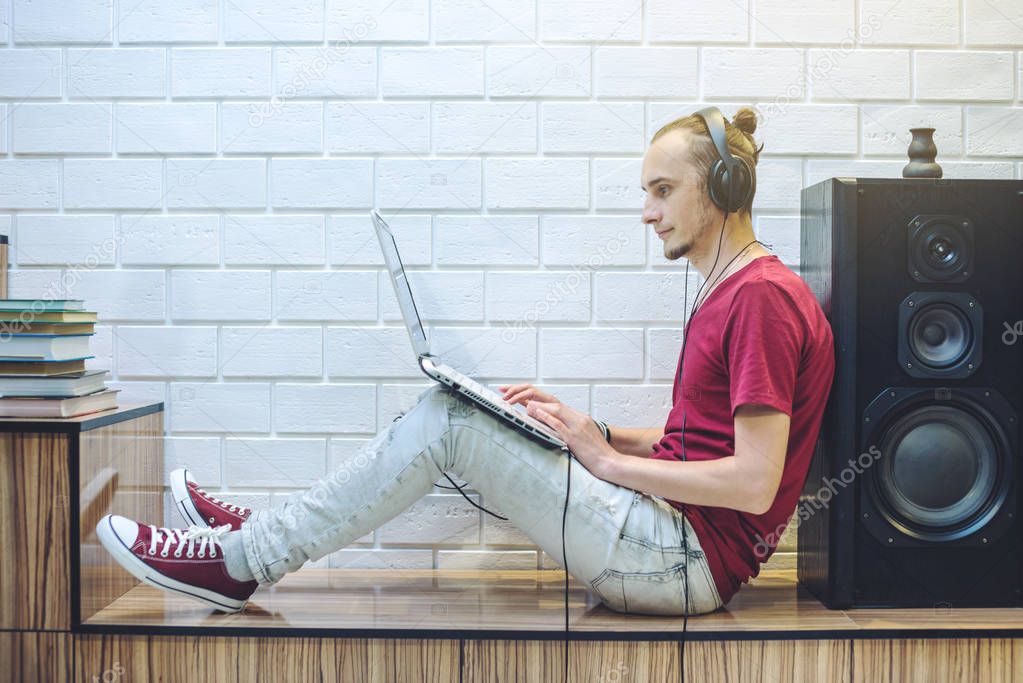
(200, 172)
(102, 73)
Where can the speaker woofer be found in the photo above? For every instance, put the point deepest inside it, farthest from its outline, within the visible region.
(940, 334)
(938, 471)
(944, 466)
(940, 248)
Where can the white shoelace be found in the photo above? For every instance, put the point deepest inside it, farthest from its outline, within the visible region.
(231, 508)
(181, 538)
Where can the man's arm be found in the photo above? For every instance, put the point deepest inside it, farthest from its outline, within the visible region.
(748, 481)
(636, 441)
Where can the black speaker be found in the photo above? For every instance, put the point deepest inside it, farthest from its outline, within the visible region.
(913, 497)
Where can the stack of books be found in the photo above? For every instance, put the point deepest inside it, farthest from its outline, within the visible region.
(44, 344)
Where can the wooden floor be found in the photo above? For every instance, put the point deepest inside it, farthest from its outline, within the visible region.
(529, 605)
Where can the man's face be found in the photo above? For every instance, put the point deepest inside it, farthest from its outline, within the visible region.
(676, 205)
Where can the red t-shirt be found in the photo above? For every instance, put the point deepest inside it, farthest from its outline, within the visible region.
(760, 337)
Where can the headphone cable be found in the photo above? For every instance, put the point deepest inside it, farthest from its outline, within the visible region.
(564, 553)
(682, 434)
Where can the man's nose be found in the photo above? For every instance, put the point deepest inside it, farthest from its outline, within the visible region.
(651, 214)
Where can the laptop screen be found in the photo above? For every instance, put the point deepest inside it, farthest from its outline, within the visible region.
(401, 285)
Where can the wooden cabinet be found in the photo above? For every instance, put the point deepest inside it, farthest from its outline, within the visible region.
(57, 478)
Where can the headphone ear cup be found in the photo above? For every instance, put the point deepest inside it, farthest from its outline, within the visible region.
(717, 184)
(745, 181)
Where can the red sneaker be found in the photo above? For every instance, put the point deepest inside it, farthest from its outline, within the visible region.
(186, 561)
(200, 508)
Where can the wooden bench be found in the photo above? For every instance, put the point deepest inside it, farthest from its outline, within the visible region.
(71, 614)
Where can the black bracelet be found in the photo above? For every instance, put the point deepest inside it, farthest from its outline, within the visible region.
(604, 429)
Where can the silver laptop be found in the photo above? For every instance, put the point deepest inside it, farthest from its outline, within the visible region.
(433, 366)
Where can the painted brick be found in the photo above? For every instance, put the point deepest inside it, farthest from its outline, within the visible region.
(592, 353)
(260, 351)
(581, 127)
(479, 127)
(154, 21)
(62, 128)
(280, 239)
(58, 240)
(507, 21)
(166, 128)
(315, 408)
(378, 127)
(113, 183)
(219, 407)
(159, 351)
(525, 298)
(273, 21)
(216, 183)
(948, 75)
(486, 240)
(82, 21)
(335, 296)
(538, 71)
(537, 183)
(431, 71)
(646, 71)
(117, 72)
(220, 295)
(176, 239)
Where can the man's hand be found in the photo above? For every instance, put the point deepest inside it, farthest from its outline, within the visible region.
(576, 429)
(522, 393)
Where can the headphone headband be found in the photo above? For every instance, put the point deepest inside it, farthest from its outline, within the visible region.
(715, 121)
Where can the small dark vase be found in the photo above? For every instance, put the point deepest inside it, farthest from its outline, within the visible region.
(922, 152)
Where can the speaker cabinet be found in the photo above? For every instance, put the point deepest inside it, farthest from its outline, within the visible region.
(913, 497)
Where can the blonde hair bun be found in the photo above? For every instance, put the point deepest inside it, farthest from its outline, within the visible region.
(745, 120)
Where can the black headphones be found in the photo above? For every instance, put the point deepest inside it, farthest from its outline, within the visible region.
(729, 177)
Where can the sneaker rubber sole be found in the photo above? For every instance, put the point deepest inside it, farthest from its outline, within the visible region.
(179, 479)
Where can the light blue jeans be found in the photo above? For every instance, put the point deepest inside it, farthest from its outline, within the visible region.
(625, 545)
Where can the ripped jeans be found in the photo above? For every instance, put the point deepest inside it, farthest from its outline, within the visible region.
(625, 545)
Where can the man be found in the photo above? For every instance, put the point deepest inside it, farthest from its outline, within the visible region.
(639, 521)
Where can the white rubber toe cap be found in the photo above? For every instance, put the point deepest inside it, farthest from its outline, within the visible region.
(125, 529)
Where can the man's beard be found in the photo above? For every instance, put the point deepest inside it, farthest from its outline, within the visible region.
(702, 220)
(679, 251)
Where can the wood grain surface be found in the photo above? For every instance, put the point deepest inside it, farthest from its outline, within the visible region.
(35, 580)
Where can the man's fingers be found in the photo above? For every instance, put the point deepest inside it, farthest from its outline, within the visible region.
(551, 408)
(521, 397)
(546, 413)
(518, 392)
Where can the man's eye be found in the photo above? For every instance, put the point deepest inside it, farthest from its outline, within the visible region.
(662, 187)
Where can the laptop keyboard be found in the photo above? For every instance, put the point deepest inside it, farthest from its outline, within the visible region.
(497, 399)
